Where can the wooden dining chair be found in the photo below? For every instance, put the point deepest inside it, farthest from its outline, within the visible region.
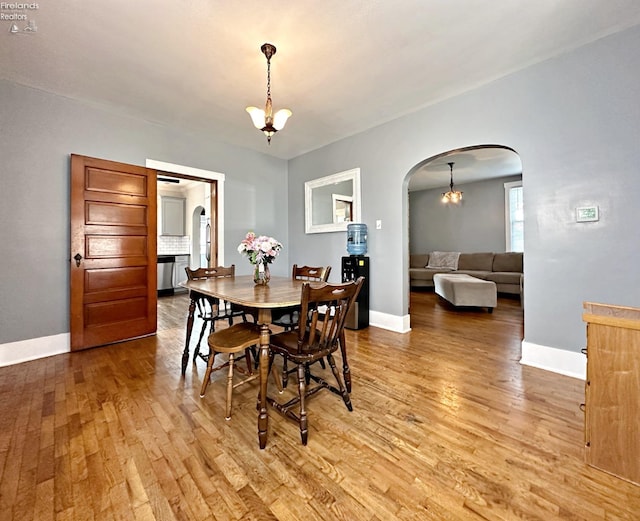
(238, 338)
(287, 318)
(322, 316)
(242, 338)
(210, 309)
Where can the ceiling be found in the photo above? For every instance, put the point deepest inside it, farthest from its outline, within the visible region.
(341, 66)
(469, 166)
(170, 182)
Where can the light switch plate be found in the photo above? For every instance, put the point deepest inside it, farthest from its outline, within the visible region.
(379, 224)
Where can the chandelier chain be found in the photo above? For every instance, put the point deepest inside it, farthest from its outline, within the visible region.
(268, 78)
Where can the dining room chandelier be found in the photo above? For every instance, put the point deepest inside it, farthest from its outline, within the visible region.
(452, 196)
(266, 120)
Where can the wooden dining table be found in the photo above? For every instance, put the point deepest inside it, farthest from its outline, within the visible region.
(281, 292)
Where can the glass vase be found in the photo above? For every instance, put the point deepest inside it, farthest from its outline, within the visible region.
(261, 274)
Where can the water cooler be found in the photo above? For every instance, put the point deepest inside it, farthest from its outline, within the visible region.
(354, 266)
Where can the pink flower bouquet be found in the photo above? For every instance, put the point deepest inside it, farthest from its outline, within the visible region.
(259, 249)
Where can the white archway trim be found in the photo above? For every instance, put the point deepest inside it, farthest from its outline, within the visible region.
(203, 174)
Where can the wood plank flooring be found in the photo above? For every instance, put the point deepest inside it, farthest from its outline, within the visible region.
(447, 425)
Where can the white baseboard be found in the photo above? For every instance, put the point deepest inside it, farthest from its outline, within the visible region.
(394, 323)
(34, 348)
(568, 363)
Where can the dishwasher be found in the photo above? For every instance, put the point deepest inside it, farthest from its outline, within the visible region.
(166, 264)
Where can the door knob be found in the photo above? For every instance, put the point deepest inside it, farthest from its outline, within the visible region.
(78, 258)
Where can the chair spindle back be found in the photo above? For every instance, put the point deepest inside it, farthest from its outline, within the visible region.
(323, 311)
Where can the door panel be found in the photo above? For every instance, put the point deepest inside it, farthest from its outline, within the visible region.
(110, 284)
(113, 235)
(124, 312)
(105, 246)
(113, 279)
(114, 214)
(113, 182)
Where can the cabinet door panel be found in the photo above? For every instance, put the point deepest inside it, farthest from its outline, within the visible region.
(172, 215)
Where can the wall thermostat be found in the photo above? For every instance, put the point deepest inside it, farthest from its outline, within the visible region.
(587, 214)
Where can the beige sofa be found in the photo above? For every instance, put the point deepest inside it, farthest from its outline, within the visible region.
(505, 269)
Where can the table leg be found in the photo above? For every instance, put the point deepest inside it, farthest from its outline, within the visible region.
(185, 353)
(263, 418)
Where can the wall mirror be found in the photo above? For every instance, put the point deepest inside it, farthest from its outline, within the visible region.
(332, 202)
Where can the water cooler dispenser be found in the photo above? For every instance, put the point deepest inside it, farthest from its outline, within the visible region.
(354, 266)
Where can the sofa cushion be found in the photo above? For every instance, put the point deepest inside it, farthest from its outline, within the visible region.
(478, 274)
(424, 273)
(504, 277)
(511, 261)
(418, 260)
(475, 261)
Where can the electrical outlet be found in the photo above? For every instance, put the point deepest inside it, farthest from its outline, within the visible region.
(378, 224)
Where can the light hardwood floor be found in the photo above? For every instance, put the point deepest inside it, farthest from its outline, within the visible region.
(447, 425)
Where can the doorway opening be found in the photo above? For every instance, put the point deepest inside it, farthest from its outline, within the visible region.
(478, 223)
(184, 234)
(213, 202)
(203, 195)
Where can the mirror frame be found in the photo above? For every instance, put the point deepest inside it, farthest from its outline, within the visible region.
(354, 176)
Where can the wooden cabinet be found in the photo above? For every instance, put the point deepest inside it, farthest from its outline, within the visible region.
(612, 390)
(172, 214)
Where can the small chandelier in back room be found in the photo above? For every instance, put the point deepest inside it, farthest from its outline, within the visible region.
(452, 196)
(265, 120)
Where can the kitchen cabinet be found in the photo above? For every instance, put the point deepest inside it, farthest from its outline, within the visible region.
(612, 390)
(172, 212)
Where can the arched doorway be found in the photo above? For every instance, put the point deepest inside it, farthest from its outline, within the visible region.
(481, 222)
(201, 240)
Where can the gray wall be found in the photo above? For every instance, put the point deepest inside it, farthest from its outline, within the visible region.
(476, 224)
(39, 131)
(574, 121)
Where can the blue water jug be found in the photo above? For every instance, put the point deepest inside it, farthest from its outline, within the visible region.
(356, 239)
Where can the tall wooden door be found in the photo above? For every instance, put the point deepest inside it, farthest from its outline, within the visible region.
(113, 252)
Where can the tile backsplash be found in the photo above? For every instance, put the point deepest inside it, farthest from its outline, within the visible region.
(174, 245)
